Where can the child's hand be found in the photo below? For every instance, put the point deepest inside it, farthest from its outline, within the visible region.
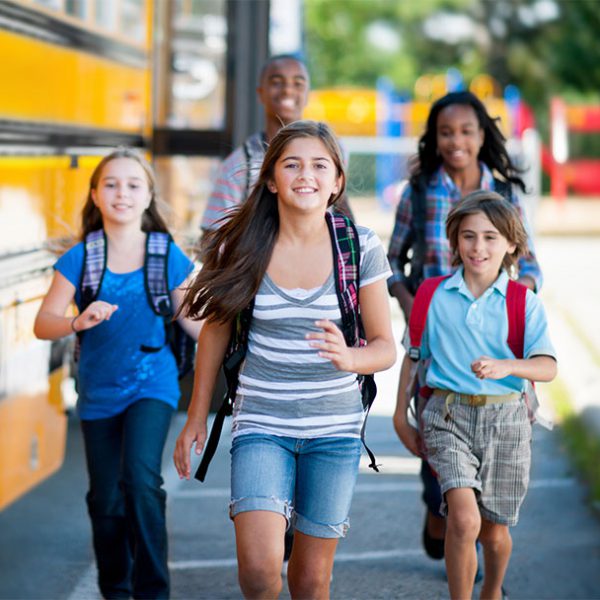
(332, 345)
(485, 367)
(408, 435)
(193, 432)
(93, 315)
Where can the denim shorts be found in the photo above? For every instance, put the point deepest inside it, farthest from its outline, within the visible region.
(308, 481)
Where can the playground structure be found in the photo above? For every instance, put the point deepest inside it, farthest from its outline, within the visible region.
(387, 123)
(581, 175)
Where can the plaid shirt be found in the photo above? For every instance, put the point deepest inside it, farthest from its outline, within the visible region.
(235, 178)
(441, 195)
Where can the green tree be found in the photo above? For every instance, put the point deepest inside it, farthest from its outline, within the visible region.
(545, 47)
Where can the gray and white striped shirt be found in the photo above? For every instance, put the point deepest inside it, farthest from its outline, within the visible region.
(285, 387)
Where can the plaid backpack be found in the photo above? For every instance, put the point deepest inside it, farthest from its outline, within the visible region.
(346, 252)
(155, 284)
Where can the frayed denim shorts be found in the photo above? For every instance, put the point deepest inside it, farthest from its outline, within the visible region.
(308, 481)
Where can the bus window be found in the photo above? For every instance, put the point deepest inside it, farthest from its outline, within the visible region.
(133, 20)
(56, 5)
(193, 75)
(77, 8)
(107, 16)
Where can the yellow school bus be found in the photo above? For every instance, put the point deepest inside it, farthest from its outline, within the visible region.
(75, 82)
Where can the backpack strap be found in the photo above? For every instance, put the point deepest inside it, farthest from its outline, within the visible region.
(94, 267)
(346, 253)
(418, 199)
(246, 148)
(346, 268)
(156, 263)
(516, 295)
(232, 362)
(503, 187)
(418, 314)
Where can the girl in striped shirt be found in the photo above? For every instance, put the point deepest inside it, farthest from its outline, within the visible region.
(298, 412)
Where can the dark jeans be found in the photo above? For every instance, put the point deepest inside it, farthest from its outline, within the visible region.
(125, 500)
(432, 494)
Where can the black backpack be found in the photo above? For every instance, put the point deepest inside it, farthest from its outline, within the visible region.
(417, 243)
(155, 284)
(346, 252)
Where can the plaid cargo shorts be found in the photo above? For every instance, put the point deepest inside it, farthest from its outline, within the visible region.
(486, 448)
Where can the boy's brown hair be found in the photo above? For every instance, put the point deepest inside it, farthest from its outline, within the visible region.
(503, 216)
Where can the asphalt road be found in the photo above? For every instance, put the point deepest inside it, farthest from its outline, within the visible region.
(45, 549)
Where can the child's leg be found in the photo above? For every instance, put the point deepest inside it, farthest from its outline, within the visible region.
(462, 528)
(263, 474)
(497, 547)
(326, 476)
(310, 567)
(259, 542)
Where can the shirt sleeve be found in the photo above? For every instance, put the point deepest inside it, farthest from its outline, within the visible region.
(537, 339)
(400, 240)
(528, 264)
(70, 264)
(228, 190)
(179, 266)
(373, 261)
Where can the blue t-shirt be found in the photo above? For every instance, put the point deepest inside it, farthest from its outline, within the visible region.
(461, 328)
(113, 370)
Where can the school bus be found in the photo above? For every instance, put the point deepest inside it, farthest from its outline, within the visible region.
(79, 77)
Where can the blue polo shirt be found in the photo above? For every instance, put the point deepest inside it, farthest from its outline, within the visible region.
(461, 328)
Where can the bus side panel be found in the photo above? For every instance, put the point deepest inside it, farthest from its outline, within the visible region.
(32, 417)
(53, 84)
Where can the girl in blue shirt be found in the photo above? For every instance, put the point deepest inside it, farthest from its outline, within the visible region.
(475, 426)
(126, 394)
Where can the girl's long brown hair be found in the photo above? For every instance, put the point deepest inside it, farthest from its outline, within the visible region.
(236, 255)
(152, 220)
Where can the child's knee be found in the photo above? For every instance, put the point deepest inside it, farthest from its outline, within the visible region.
(494, 535)
(464, 522)
(258, 575)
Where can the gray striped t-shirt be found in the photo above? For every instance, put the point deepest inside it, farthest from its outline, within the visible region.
(285, 388)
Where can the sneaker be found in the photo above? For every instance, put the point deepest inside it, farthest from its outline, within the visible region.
(434, 548)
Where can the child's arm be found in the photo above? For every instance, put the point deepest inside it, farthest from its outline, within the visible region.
(379, 353)
(406, 432)
(536, 368)
(51, 323)
(192, 328)
(212, 344)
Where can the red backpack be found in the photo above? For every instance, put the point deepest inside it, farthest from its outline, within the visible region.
(516, 294)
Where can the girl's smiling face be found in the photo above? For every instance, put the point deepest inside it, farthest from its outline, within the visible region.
(482, 247)
(459, 137)
(305, 176)
(122, 194)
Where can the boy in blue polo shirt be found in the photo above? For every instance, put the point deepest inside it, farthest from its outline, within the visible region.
(475, 427)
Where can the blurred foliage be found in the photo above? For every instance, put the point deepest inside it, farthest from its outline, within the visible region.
(579, 438)
(545, 47)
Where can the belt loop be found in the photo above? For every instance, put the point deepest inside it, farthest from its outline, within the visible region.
(449, 400)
